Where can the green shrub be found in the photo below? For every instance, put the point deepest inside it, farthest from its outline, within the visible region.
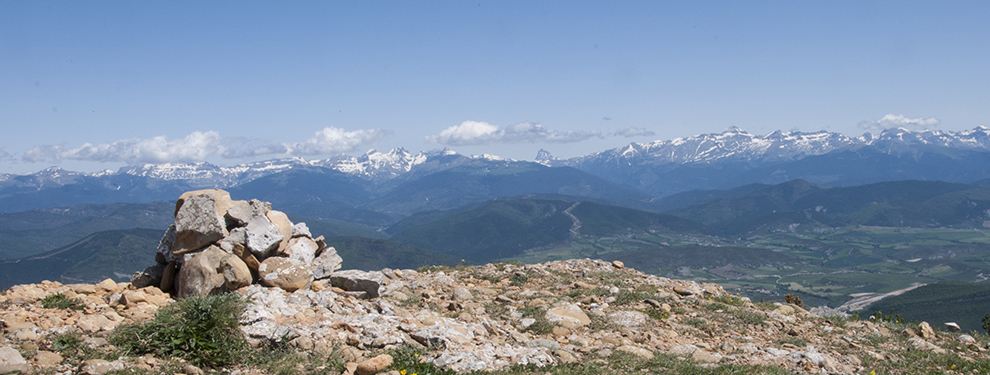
(794, 300)
(408, 360)
(793, 341)
(748, 317)
(656, 313)
(715, 306)
(203, 330)
(729, 300)
(60, 301)
(518, 280)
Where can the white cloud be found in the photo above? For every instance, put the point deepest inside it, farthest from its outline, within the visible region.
(4, 155)
(483, 133)
(198, 146)
(634, 132)
(333, 140)
(891, 121)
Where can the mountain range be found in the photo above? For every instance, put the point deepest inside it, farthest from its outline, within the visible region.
(703, 162)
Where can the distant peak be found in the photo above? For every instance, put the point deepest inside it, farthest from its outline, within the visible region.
(543, 155)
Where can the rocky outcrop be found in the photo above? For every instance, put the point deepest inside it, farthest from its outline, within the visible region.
(218, 244)
(473, 319)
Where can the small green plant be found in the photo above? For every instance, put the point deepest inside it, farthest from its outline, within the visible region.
(793, 341)
(61, 301)
(656, 313)
(729, 300)
(715, 306)
(203, 330)
(986, 323)
(765, 306)
(518, 280)
(696, 323)
(409, 360)
(748, 317)
(66, 342)
(890, 318)
(542, 326)
(855, 316)
(627, 297)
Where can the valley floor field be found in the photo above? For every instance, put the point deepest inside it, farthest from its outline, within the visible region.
(846, 267)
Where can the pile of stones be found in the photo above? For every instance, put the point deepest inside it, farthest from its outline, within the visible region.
(219, 244)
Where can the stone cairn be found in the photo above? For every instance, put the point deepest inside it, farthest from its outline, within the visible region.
(219, 244)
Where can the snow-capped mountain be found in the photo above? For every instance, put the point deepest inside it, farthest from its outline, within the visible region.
(660, 167)
(734, 144)
(373, 165)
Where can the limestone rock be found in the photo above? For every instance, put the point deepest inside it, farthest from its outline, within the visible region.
(358, 281)
(635, 350)
(9, 355)
(967, 340)
(166, 246)
(236, 273)
(199, 276)
(543, 343)
(568, 315)
(284, 226)
(925, 331)
(462, 294)
(46, 358)
(237, 236)
(288, 274)
(374, 365)
(686, 291)
(301, 248)
(199, 219)
(628, 319)
(262, 236)
(301, 230)
(618, 264)
(242, 212)
(326, 263)
(951, 327)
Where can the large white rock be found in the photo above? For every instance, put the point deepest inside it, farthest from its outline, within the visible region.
(262, 237)
(199, 219)
(325, 264)
(302, 249)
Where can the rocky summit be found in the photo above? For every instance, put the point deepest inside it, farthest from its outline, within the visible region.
(484, 318)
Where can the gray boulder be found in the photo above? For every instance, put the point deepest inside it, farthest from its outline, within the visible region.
(262, 237)
(326, 263)
(359, 281)
(198, 275)
(150, 276)
(198, 223)
(240, 214)
(301, 230)
(236, 273)
(302, 249)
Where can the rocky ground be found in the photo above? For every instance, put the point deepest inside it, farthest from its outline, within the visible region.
(491, 318)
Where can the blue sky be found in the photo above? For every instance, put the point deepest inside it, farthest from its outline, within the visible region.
(94, 85)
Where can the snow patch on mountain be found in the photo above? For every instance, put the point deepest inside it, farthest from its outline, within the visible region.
(737, 144)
